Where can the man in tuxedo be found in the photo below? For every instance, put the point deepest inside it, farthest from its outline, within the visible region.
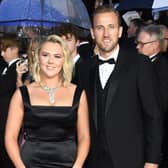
(150, 42)
(8, 80)
(125, 117)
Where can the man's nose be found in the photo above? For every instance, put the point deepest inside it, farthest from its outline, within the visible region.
(106, 32)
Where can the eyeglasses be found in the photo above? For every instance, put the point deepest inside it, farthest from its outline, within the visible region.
(144, 43)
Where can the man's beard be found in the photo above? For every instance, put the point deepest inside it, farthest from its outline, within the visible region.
(107, 49)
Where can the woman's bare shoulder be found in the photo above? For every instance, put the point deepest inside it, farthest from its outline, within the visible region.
(71, 87)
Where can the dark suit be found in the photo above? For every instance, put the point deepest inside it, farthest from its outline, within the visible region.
(85, 50)
(80, 72)
(7, 88)
(160, 65)
(2, 63)
(132, 121)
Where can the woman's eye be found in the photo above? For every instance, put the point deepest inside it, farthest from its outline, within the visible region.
(44, 55)
(58, 56)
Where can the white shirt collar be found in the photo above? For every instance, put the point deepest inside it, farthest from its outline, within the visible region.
(75, 59)
(152, 55)
(12, 61)
(83, 42)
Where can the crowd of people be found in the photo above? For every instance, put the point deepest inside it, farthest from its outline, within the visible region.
(72, 103)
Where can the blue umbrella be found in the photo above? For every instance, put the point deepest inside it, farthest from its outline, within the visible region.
(43, 13)
(29, 13)
(74, 10)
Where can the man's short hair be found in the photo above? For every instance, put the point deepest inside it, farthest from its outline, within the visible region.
(68, 28)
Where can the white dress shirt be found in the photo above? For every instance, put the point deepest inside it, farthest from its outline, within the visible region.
(106, 69)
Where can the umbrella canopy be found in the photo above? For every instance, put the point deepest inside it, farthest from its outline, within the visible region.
(160, 5)
(74, 10)
(43, 13)
(155, 5)
(29, 13)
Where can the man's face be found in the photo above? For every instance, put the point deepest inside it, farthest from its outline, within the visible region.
(72, 43)
(106, 32)
(146, 44)
(131, 31)
(165, 44)
(10, 53)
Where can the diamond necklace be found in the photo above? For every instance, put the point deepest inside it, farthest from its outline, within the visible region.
(50, 91)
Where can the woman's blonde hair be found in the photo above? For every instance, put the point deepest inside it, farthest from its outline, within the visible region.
(66, 73)
(33, 44)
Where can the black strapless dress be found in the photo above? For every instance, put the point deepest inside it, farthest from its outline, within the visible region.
(50, 133)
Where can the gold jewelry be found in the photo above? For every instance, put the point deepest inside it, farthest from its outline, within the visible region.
(50, 91)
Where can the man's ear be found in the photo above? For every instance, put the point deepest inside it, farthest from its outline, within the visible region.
(92, 33)
(77, 42)
(2, 53)
(120, 31)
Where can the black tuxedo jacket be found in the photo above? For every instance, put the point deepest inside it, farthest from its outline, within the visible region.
(81, 72)
(2, 63)
(160, 65)
(132, 113)
(7, 88)
(85, 51)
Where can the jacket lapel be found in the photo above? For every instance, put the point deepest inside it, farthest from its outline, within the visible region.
(114, 80)
(93, 91)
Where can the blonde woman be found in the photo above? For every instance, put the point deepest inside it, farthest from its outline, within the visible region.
(54, 113)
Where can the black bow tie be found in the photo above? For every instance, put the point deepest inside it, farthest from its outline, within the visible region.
(110, 61)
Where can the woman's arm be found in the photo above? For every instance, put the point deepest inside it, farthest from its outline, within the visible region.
(82, 132)
(14, 122)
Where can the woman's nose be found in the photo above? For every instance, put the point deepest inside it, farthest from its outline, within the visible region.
(50, 59)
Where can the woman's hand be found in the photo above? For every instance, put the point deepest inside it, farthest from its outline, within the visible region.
(21, 67)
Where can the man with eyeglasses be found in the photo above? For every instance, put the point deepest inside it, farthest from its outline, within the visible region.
(151, 42)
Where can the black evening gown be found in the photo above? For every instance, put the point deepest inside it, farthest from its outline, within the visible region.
(50, 133)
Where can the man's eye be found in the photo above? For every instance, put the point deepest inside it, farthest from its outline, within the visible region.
(112, 26)
(99, 27)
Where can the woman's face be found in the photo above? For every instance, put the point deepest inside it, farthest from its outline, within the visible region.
(51, 59)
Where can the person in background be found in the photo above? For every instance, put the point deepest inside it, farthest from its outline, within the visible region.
(24, 69)
(85, 47)
(151, 42)
(132, 30)
(8, 84)
(125, 116)
(70, 34)
(164, 30)
(134, 26)
(2, 61)
(54, 113)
